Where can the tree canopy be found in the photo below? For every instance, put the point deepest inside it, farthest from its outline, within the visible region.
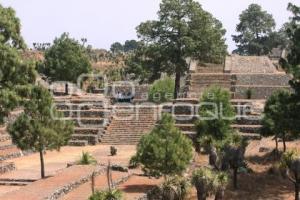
(257, 35)
(10, 27)
(183, 30)
(65, 60)
(216, 114)
(165, 150)
(14, 72)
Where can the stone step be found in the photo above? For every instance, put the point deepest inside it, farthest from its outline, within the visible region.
(91, 139)
(13, 183)
(186, 127)
(6, 167)
(247, 128)
(5, 137)
(78, 143)
(251, 136)
(88, 122)
(85, 113)
(8, 153)
(69, 106)
(248, 121)
(93, 131)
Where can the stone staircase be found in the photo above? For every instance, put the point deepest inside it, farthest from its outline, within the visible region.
(129, 124)
(90, 114)
(247, 123)
(196, 83)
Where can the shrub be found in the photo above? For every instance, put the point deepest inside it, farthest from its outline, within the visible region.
(134, 162)
(162, 90)
(113, 151)
(87, 159)
(107, 195)
(165, 151)
(174, 188)
(218, 125)
(249, 93)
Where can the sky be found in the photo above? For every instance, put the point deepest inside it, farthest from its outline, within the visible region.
(103, 22)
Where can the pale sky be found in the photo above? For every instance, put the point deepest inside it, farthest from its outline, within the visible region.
(103, 22)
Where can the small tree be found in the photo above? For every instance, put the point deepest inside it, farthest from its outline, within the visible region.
(162, 90)
(277, 117)
(220, 183)
(65, 60)
(36, 129)
(291, 162)
(216, 114)
(165, 151)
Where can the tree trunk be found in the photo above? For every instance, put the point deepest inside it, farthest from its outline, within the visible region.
(201, 195)
(235, 171)
(284, 143)
(220, 195)
(276, 142)
(42, 164)
(297, 191)
(66, 89)
(177, 84)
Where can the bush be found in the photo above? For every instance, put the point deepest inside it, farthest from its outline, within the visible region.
(174, 188)
(165, 151)
(107, 195)
(249, 93)
(162, 90)
(217, 125)
(87, 159)
(134, 162)
(113, 151)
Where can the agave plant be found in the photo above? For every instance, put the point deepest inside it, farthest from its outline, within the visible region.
(107, 195)
(87, 159)
(219, 184)
(203, 180)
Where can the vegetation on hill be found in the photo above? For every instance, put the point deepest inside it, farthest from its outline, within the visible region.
(161, 90)
(257, 35)
(65, 60)
(165, 150)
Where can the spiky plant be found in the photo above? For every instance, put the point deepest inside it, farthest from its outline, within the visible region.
(219, 184)
(87, 159)
(203, 179)
(107, 195)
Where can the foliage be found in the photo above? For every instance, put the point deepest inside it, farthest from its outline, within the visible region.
(87, 159)
(14, 73)
(249, 93)
(216, 114)
(130, 45)
(65, 60)
(36, 129)
(183, 30)
(208, 182)
(116, 47)
(10, 27)
(161, 90)
(256, 28)
(165, 150)
(113, 151)
(277, 116)
(174, 188)
(107, 195)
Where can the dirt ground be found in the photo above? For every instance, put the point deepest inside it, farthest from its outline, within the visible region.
(259, 185)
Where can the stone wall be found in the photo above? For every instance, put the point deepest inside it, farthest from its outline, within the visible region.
(263, 79)
(258, 92)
